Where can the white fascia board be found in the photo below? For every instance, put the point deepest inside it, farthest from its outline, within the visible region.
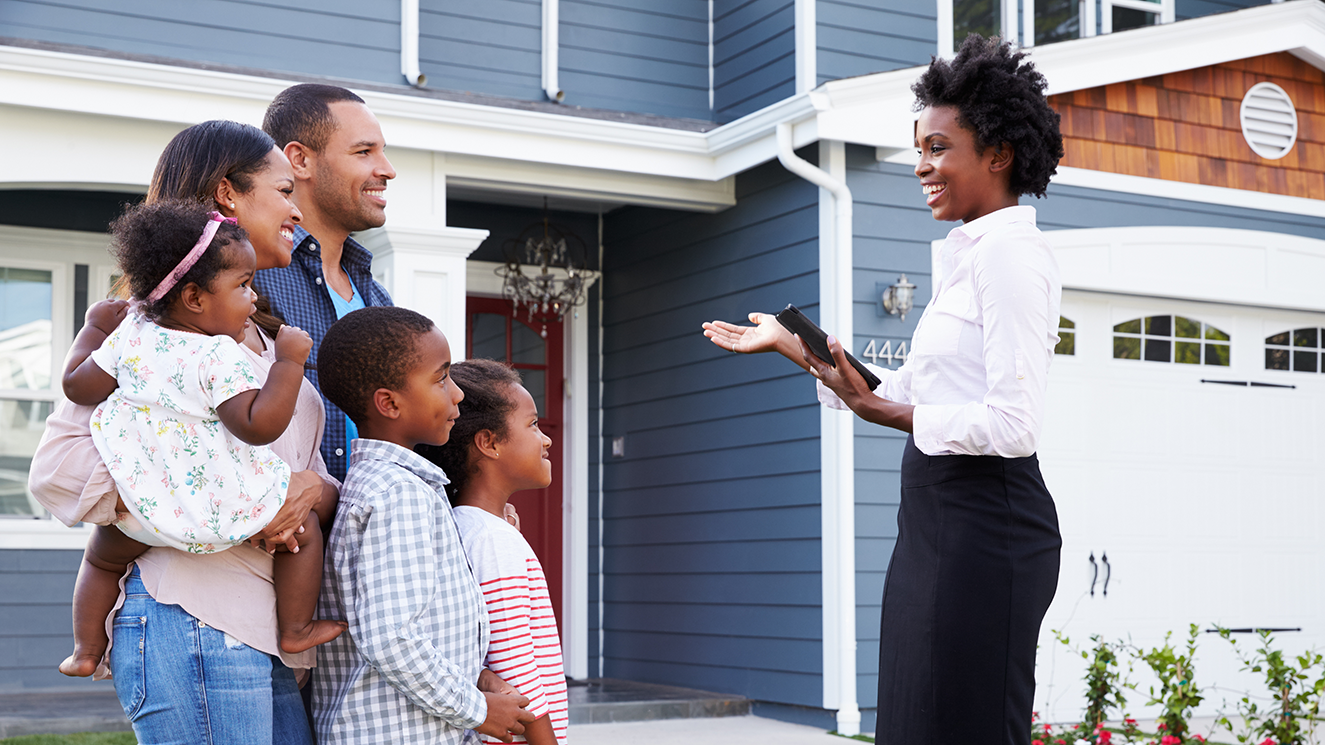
(1204, 193)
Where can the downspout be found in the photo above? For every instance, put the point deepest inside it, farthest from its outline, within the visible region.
(837, 456)
(551, 47)
(409, 43)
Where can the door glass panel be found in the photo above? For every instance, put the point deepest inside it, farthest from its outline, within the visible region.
(489, 335)
(1126, 348)
(1159, 326)
(974, 17)
(1187, 352)
(1057, 20)
(1216, 354)
(21, 424)
(1187, 328)
(1304, 361)
(1304, 338)
(535, 381)
(1276, 359)
(1129, 327)
(25, 329)
(1157, 350)
(527, 346)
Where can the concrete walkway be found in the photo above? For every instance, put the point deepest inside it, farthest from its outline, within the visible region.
(747, 730)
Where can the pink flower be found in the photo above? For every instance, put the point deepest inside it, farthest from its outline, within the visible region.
(1161, 725)
(1170, 740)
(258, 509)
(178, 512)
(1037, 742)
(1104, 736)
(1267, 741)
(1199, 738)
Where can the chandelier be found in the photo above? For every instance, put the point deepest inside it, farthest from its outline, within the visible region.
(548, 294)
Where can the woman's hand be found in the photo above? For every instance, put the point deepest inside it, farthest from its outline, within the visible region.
(301, 497)
(842, 379)
(767, 335)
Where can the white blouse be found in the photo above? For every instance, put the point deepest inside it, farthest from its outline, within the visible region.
(979, 361)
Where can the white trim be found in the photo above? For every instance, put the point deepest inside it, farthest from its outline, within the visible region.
(836, 432)
(42, 533)
(552, 51)
(807, 46)
(1154, 187)
(482, 279)
(712, 102)
(946, 31)
(409, 43)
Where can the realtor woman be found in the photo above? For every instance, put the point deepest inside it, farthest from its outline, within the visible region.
(976, 561)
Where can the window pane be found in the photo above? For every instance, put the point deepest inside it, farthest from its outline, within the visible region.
(534, 382)
(1127, 18)
(1067, 343)
(527, 346)
(1157, 350)
(1213, 333)
(1159, 326)
(1065, 323)
(21, 424)
(1281, 339)
(1129, 327)
(1304, 338)
(1126, 348)
(1216, 354)
(1187, 352)
(1276, 359)
(974, 17)
(25, 329)
(1187, 328)
(1304, 361)
(489, 332)
(1057, 20)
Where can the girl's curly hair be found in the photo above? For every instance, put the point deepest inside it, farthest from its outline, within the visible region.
(149, 240)
(1000, 99)
(487, 405)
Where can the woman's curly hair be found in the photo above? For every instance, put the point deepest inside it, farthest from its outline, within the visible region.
(488, 403)
(149, 240)
(1000, 99)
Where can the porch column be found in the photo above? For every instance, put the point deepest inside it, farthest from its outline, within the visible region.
(424, 270)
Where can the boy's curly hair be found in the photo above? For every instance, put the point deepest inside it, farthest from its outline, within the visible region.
(488, 403)
(370, 348)
(149, 240)
(1000, 99)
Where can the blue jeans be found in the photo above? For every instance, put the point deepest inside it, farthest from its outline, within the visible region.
(182, 681)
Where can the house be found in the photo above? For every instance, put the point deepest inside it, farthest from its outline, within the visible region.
(709, 525)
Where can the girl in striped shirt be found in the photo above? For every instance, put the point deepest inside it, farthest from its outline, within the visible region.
(495, 450)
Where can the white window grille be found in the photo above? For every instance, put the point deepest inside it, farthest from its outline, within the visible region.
(1031, 22)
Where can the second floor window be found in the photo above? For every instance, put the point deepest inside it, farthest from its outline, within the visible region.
(1031, 22)
(1184, 341)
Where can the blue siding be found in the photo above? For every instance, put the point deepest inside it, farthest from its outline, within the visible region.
(337, 38)
(1185, 9)
(635, 55)
(36, 632)
(493, 47)
(754, 55)
(858, 37)
(712, 517)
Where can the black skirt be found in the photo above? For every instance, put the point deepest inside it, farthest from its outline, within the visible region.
(973, 572)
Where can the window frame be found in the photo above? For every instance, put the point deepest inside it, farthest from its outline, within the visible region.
(1096, 16)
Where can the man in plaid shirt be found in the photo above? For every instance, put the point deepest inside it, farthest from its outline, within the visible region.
(337, 150)
(409, 669)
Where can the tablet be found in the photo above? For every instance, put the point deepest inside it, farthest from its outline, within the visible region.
(794, 321)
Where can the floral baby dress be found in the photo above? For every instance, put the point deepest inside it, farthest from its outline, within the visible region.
(194, 485)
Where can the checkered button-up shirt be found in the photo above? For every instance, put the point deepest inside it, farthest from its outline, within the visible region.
(298, 294)
(406, 670)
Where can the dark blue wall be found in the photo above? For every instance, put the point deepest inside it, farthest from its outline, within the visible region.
(754, 55)
(857, 38)
(636, 55)
(494, 46)
(337, 38)
(36, 632)
(712, 518)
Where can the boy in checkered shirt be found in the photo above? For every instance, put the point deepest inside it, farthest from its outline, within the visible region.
(409, 669)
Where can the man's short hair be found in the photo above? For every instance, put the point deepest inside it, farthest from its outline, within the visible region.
(368, 349)
(302, 113)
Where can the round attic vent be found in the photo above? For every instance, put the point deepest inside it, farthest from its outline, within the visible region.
(1269, 121)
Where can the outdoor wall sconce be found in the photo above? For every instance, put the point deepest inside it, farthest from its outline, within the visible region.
(897, 299)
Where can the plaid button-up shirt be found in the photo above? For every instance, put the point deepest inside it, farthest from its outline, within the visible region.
(298, 294)
(407, 668)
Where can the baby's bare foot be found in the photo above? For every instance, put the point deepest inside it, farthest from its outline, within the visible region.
(315, 633)
(80, 665)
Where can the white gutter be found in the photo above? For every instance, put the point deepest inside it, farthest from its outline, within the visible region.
(836, 450)
(409, 43)
(551, 47)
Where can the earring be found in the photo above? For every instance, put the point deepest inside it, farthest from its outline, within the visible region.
(232, 205)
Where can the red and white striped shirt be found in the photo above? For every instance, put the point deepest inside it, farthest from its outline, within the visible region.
(524, 648)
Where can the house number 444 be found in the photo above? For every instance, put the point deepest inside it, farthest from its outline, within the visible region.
(885, 355)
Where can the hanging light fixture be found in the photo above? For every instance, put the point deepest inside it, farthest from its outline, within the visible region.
(547, 295)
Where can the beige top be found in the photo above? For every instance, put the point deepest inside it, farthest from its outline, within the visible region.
(231, 590)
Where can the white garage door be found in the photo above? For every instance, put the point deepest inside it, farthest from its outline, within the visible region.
(1173, 451)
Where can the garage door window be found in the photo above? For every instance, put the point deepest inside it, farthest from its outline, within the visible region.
(1297, 350)
(1067, 336)
(1175, 339)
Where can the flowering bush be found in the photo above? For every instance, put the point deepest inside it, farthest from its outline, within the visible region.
(1291, 718)
(1177, 691)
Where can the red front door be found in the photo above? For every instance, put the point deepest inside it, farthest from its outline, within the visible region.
(496, 332)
